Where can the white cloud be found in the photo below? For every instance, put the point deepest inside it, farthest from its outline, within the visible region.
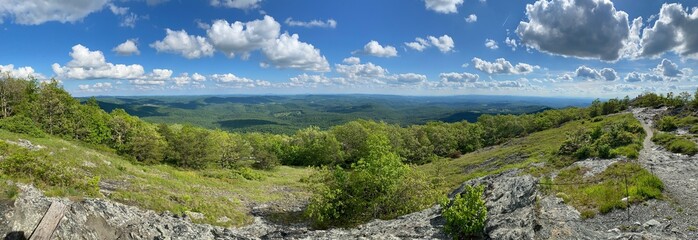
(491, 44)
(243, 38)
(444, 43)
(443, 6)
(86, 64)
(633, 77)
(351, 60)
(97, 87)
(376, 49)
(643, 77)
(231, 80)
(676, 29)
(306, 80)
(511, 43)
(368, 71)
(668, 69)
(127, 48)
(329, 23)
(116, 10)
(239, 4)
(471, 18)
(419, 44)
(588, 73)
(576, 28)
(34, 12)
(130, 20)
(502, 66)
(406, 79)
(459, 77)
(21, 72)
(186, 79)
(179, 42)
(289, 52)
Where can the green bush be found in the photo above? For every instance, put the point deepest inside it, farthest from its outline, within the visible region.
(21, 124)
(684, 146)
(667, 123)
(647, 187)
(466, 215)
(378, 186)
(663, 138)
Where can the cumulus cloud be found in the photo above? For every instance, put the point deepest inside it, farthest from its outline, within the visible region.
(329, 23)
(289, 52)
(406, 79)
(97, 87)
(676, 29)
(86, 64)
(243, 38)
(575, 28)
(360, 71)
(20, 72)
(643, 77)
(239, 4)
(443, 6)
(491, 44)
(588, 73)
(471, 18)
(179, 42)
(186, 79)
(511, 43)
(459, 77)
(351, 60)
(127, 48)
(419, 44)
(231, 80)
(444, 43)
(502, 66)
(34, 12)
(376, 49)
(668, 69)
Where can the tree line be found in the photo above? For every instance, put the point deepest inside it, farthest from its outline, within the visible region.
(37, 108)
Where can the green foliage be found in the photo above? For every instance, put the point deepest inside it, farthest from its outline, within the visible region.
(606, 140)
(377, 186)
(684, 146)
(39, 167)
(667, 123)
(659, 100)
(312, 147)
(466, 215)
(609, 189)
(21, 124)
(676, 144)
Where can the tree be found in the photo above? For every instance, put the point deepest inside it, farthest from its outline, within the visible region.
(378, 186)
(192, 148)
(53, 107)
(14, 93)
(312, 147)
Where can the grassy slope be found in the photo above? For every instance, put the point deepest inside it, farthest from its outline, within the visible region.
(218, 193)
(517, 153)
(215, 193)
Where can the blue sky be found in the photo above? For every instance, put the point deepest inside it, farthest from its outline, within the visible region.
(584, 48)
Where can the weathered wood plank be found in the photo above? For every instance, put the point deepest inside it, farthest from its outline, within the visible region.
(49, 222)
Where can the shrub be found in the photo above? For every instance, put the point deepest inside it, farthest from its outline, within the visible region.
(21, 124)
(663, 138)
(378, 186)
(466, 215)
(667, 123)
(684, 146)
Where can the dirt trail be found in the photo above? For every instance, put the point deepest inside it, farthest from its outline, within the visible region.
(678, 172)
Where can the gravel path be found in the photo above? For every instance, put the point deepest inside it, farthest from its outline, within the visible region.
(678, 172)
